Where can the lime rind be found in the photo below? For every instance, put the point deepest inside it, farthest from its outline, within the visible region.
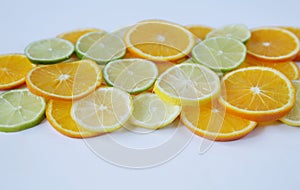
(220, 53)
(236, 31)
(49, 51)
(20, 110)
(131, 75)
(100, 47)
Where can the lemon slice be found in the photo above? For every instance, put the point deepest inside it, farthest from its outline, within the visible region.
(187, 83)
(106, 110)
(131, 75)
(293, 117)
(20, 109)
(151, 112)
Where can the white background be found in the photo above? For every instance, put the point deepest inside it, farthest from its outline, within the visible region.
(41, 158)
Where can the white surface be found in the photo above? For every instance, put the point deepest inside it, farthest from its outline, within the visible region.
(41, 158)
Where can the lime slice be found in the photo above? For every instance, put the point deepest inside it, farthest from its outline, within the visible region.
(237, 31)
(105, 110)
(151, 112)
(19, 110)
(49, 51)
(100, 47)
(220, 53)
(186, 84)
(130, 75)
(293, 117)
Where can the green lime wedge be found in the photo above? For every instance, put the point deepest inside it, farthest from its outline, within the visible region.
(220, 53)
(20, 109)
(49, 51)
(236, 31)
(130, 75)
(100, 47)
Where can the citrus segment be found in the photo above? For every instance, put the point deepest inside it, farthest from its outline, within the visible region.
(105, 110)
(20, 109)
(13, 69)
(159, 40)
(199, 31)
(236, 31)
(211, 121)
(58, 114)
(257, 93)
(273, 44)
(66, 81)
(295, 31)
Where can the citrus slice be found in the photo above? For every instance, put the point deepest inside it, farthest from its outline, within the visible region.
(20, 109)
(74, 35)
(187, 83)
(273, 44)
(199, 31)
(58, 114)
(211, 121)
(130, 75)
(100, 47)
(237, 31)
(105, 110)
(65, 81)
(151, 112)
(159, 40)
(220, 53)
(258, 93)
(295, 31)
(49, 51)
(293, 117)
(13, 69)
(289, 68)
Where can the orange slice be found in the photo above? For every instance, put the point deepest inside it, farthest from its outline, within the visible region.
(74, 35)
(58, 115)
(273, 44)
(13, 69)
(289, 68)
(64, 81)
(257, 93)
(199, 31)
(211, 121)
(296, 31)
(159, 40)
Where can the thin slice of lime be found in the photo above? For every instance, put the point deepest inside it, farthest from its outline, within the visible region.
(49, 51)
(236, 31)
(20, 109)
(220, 53)
(150, 112)
(293, 117)
(130, 75)
(100, 47)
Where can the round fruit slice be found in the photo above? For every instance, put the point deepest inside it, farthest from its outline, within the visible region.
(13, 69)
(199, 31)
(19, 110)
(64, 81)
(105, 110)
(237, 31)
(289, 68)
(258, 93)
(151, 112)
(273, 44)
(100, 47)
(220, 53)
(211, 121)
(295, 31)
(49, 51)
(159, 40)
(293, 117)
(58, 114)
(74, 35)
(187, 83)
(130, 75)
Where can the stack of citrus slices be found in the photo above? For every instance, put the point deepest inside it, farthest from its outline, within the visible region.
(221, 82)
